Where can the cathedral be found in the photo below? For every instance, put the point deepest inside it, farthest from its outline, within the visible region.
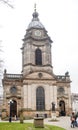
(37, 87)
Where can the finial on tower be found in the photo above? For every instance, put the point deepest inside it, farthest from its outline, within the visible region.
(35, 7)
(35, 14)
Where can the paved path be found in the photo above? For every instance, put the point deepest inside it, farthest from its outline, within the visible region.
(63, 122)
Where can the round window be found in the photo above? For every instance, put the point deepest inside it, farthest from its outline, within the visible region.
(13, 89)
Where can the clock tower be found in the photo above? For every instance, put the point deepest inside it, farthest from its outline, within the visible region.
(36, 50)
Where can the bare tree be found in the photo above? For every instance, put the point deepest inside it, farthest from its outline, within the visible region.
(1, 61)
(7, 2)
(1, 68)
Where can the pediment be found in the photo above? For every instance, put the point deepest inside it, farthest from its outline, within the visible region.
(40, 75)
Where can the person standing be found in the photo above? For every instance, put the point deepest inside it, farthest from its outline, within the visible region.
(72, 120)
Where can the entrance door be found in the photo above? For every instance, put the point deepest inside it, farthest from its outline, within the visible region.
(14, 108)
(62, 108)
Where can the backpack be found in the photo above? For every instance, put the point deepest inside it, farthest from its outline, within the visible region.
(72, 118)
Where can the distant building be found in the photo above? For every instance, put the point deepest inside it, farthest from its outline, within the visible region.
(37, 86)
(75, 102)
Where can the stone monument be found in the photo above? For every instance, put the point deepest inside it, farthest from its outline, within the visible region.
(53, 113)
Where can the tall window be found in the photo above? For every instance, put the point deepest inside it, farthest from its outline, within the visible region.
(38, 57)
(40, 99)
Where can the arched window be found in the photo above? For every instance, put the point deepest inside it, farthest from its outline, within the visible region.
(40, 99)
(61, 90)
(38, 57)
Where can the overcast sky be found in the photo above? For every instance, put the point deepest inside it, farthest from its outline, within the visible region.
(60, 18)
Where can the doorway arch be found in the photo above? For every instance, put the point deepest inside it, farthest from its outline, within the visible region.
(62, 111)
(13, 108)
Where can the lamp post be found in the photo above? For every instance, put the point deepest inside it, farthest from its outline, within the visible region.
(10, 103)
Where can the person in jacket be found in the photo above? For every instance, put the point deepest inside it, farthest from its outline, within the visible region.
(72, 120)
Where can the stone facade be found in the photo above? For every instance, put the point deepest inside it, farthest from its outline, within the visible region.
(37, 87)
(75, 102)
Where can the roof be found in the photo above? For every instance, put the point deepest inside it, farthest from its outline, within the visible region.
(35, 23)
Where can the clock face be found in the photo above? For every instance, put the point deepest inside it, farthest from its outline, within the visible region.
(37, 33)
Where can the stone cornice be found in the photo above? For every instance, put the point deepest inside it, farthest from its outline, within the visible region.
(38, 65)
(62, 96)
(37, 39)
(37, 81)
(13, 96)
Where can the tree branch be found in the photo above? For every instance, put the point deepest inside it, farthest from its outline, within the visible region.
(7, 2)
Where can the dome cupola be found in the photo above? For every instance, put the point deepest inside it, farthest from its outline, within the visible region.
(35, 23)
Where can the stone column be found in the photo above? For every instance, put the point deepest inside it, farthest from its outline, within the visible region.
(29, 96)
(54, 103)
(25, 95)
(55, 95)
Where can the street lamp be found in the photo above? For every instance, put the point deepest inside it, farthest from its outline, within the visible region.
(10, 103)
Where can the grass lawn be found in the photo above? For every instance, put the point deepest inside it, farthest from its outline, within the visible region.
(25, 126)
